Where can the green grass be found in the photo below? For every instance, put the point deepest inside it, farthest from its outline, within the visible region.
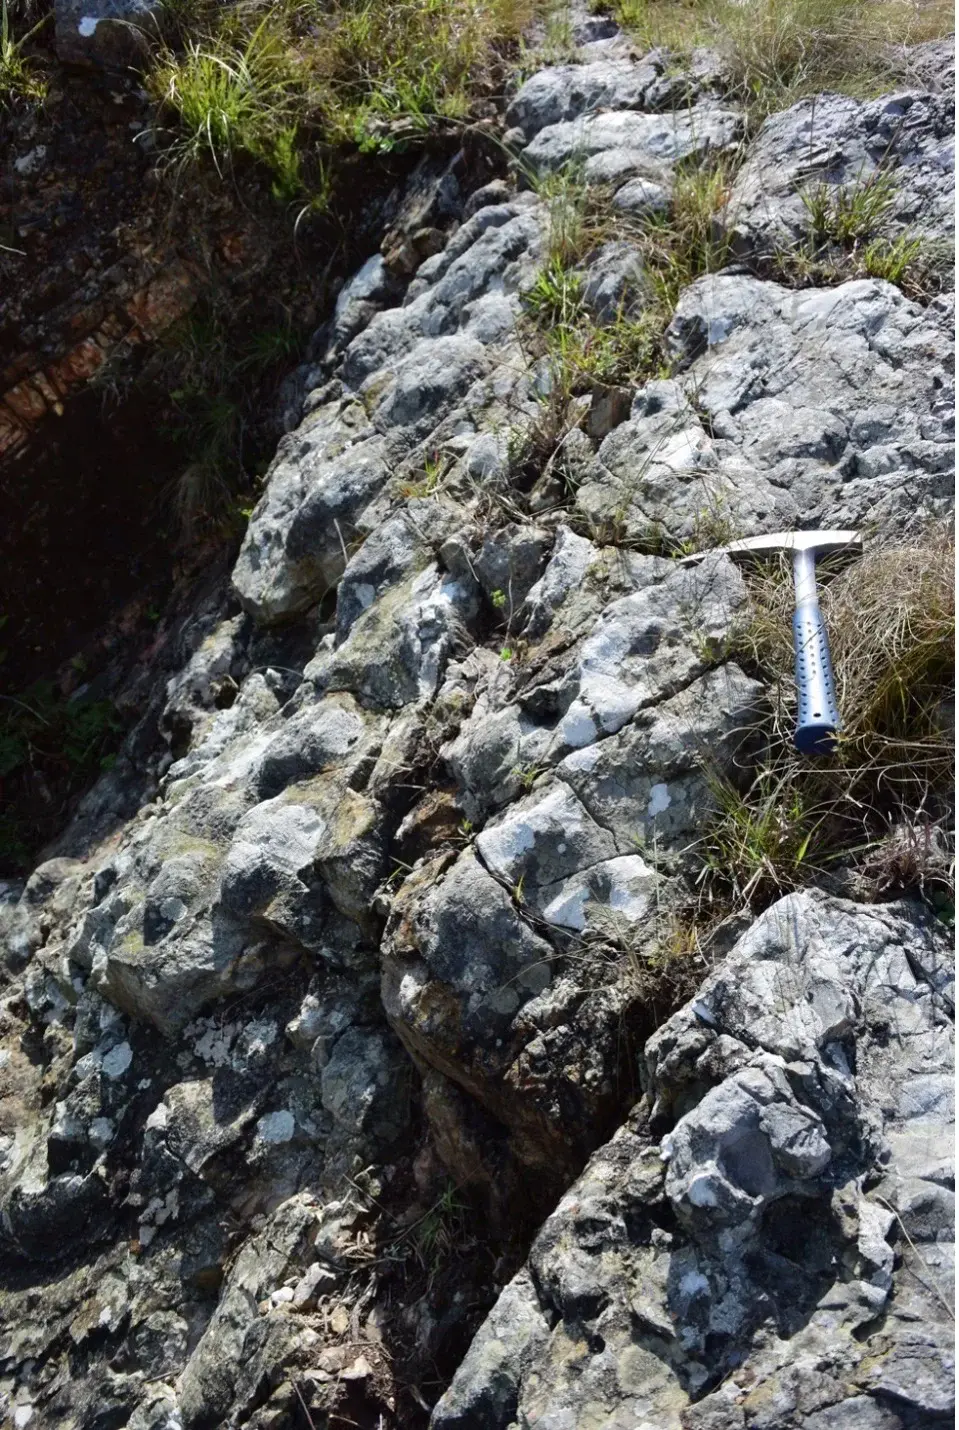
(777, 51)
(233, 99)
(851, 235)
(848, 213)
(672, 251)
(20, 80)
(235, 82)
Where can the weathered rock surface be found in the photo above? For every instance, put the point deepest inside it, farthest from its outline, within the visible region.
(827, 407)
(436, 768)
(906, 139)
(768, 1241)
(107, 33)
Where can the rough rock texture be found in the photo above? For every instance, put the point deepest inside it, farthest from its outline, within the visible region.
(823, 407)
(102, 32)
(842, 142)
(769, 1240)
(435, 769)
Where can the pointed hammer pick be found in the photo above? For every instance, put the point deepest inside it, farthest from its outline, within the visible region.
(818, 721)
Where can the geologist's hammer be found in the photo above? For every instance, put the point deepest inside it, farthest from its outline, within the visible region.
(818, 721)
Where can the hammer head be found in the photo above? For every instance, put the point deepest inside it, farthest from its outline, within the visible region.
(820, 543)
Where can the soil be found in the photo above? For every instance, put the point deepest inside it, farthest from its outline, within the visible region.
(102, 262)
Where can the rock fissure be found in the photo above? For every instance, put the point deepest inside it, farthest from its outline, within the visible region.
(371, 1072)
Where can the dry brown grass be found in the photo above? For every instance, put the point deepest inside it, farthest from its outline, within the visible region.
(779, 50)
(882, 806)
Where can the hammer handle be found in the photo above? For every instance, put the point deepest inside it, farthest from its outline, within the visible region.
(818, 721)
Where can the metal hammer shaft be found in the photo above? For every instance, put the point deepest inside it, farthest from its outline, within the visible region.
(818, 721)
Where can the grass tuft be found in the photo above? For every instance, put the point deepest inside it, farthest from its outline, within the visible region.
(20, 80)
(370, 74)
(882, 806)
(672, 251)
(850, 236)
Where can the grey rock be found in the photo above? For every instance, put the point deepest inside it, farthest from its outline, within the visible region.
(365, 1085)
(613, 282)
(841, 142)
(734, 1291)
(665, 478)
(485, 1390)
(371, 288)
(397, 650)
(930, 66)
(641, 198)
(107, 34)
(646, 144)
(399, 904)
(843, 372)
(495, 192)
(553, 96)
(647, 784)
(596, 27)
(569, 561)
(319, 483)
(228, 1362)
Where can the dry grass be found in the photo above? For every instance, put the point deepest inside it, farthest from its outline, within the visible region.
(779, 50)
(883, 805)
(672, 251)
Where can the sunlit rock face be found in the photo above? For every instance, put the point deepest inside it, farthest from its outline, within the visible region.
(439, 761)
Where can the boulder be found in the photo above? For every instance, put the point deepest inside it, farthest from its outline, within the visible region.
(617, 145)
(105, 34)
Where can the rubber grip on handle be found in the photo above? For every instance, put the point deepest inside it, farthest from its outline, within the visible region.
(818, 712)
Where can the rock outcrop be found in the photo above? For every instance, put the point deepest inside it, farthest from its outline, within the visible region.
(768, 1240)
(434, 774)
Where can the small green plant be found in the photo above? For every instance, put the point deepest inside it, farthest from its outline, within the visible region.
(759, 844)
(529, 774)
(429, 478)
(849, 213)
(368, 74)
(436, 1236)
(893, 259)
(848, 237)
(556, 295)
(498, 599)
(19, 79)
